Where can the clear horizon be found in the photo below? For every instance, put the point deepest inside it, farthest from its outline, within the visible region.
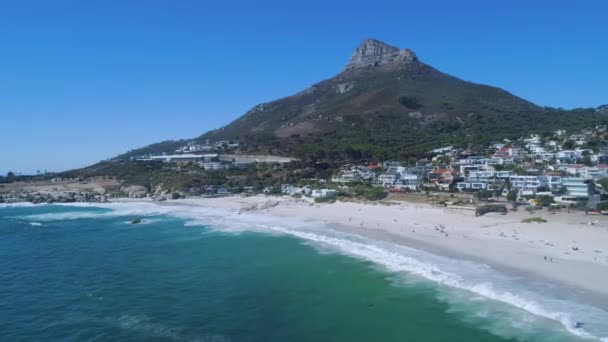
(83, 82)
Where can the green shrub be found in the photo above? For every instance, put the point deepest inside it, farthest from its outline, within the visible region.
(490, 209)
(534, 220)
(329, 199)
(410, 102)
(512, 196)
(602, 206)
(368, 192)
(544, 200)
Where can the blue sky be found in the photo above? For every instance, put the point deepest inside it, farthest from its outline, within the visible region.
(81, 81)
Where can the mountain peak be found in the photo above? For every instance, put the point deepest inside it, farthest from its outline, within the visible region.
(372, 53)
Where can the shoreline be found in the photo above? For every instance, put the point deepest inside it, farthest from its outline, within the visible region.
(451, 250)
(576, 253)
(501, 242)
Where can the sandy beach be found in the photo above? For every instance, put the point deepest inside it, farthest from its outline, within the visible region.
(567, 249)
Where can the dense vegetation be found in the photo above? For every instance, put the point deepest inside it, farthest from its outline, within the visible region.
(191, 177)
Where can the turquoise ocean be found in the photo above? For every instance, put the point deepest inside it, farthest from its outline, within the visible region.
(84, 273)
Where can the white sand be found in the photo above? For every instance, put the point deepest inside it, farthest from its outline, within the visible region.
(498, 240)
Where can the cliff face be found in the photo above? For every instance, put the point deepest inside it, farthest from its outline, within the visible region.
(373, 53)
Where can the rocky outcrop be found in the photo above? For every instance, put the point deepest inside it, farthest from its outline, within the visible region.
(135, 191)
(53, 197)
(373, 53)
(260, 206)
(344, 87)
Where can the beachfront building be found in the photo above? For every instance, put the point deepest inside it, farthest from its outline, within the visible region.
(550, 182)
(398, 178)
(408, 181)
(577, 190)
(388, 179)
(484, 180)
(525, 185)
(441, 178)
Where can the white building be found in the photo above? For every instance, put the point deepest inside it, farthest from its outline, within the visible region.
(354, 174)
(294, 190)
(525, 185)
(176, 158)
(577, 189)
(388, 179)
(484, 180)
(324, 193)
(408, 182)
(215, 166)
(551, 182)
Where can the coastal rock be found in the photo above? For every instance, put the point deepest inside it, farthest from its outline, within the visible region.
(135, 191)
(100, 190)
(268, 205)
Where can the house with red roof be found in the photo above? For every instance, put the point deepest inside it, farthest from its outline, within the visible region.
(441, 178)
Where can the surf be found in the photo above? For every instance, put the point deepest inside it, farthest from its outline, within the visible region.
(481, 289)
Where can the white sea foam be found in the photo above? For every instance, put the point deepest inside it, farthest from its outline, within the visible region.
(19, 205)
(35, 224)
(479, 285)
(116, 210)
(143, 324)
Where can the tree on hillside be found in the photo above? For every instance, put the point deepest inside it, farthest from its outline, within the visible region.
(497, 186)
(508, 184)
(568, 145)
(483, 195)
(512, 196)
(10, 174)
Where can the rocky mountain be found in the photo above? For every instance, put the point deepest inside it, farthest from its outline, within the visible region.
(374, 53)
(386, 103)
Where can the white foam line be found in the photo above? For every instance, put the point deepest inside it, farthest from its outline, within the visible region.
(20, 205)
(400, 263)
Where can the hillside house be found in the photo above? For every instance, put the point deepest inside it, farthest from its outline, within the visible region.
(441, 178)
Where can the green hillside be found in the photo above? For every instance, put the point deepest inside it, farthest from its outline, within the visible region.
(387, 104)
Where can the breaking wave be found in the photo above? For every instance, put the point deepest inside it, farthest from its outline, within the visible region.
(20, 205)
